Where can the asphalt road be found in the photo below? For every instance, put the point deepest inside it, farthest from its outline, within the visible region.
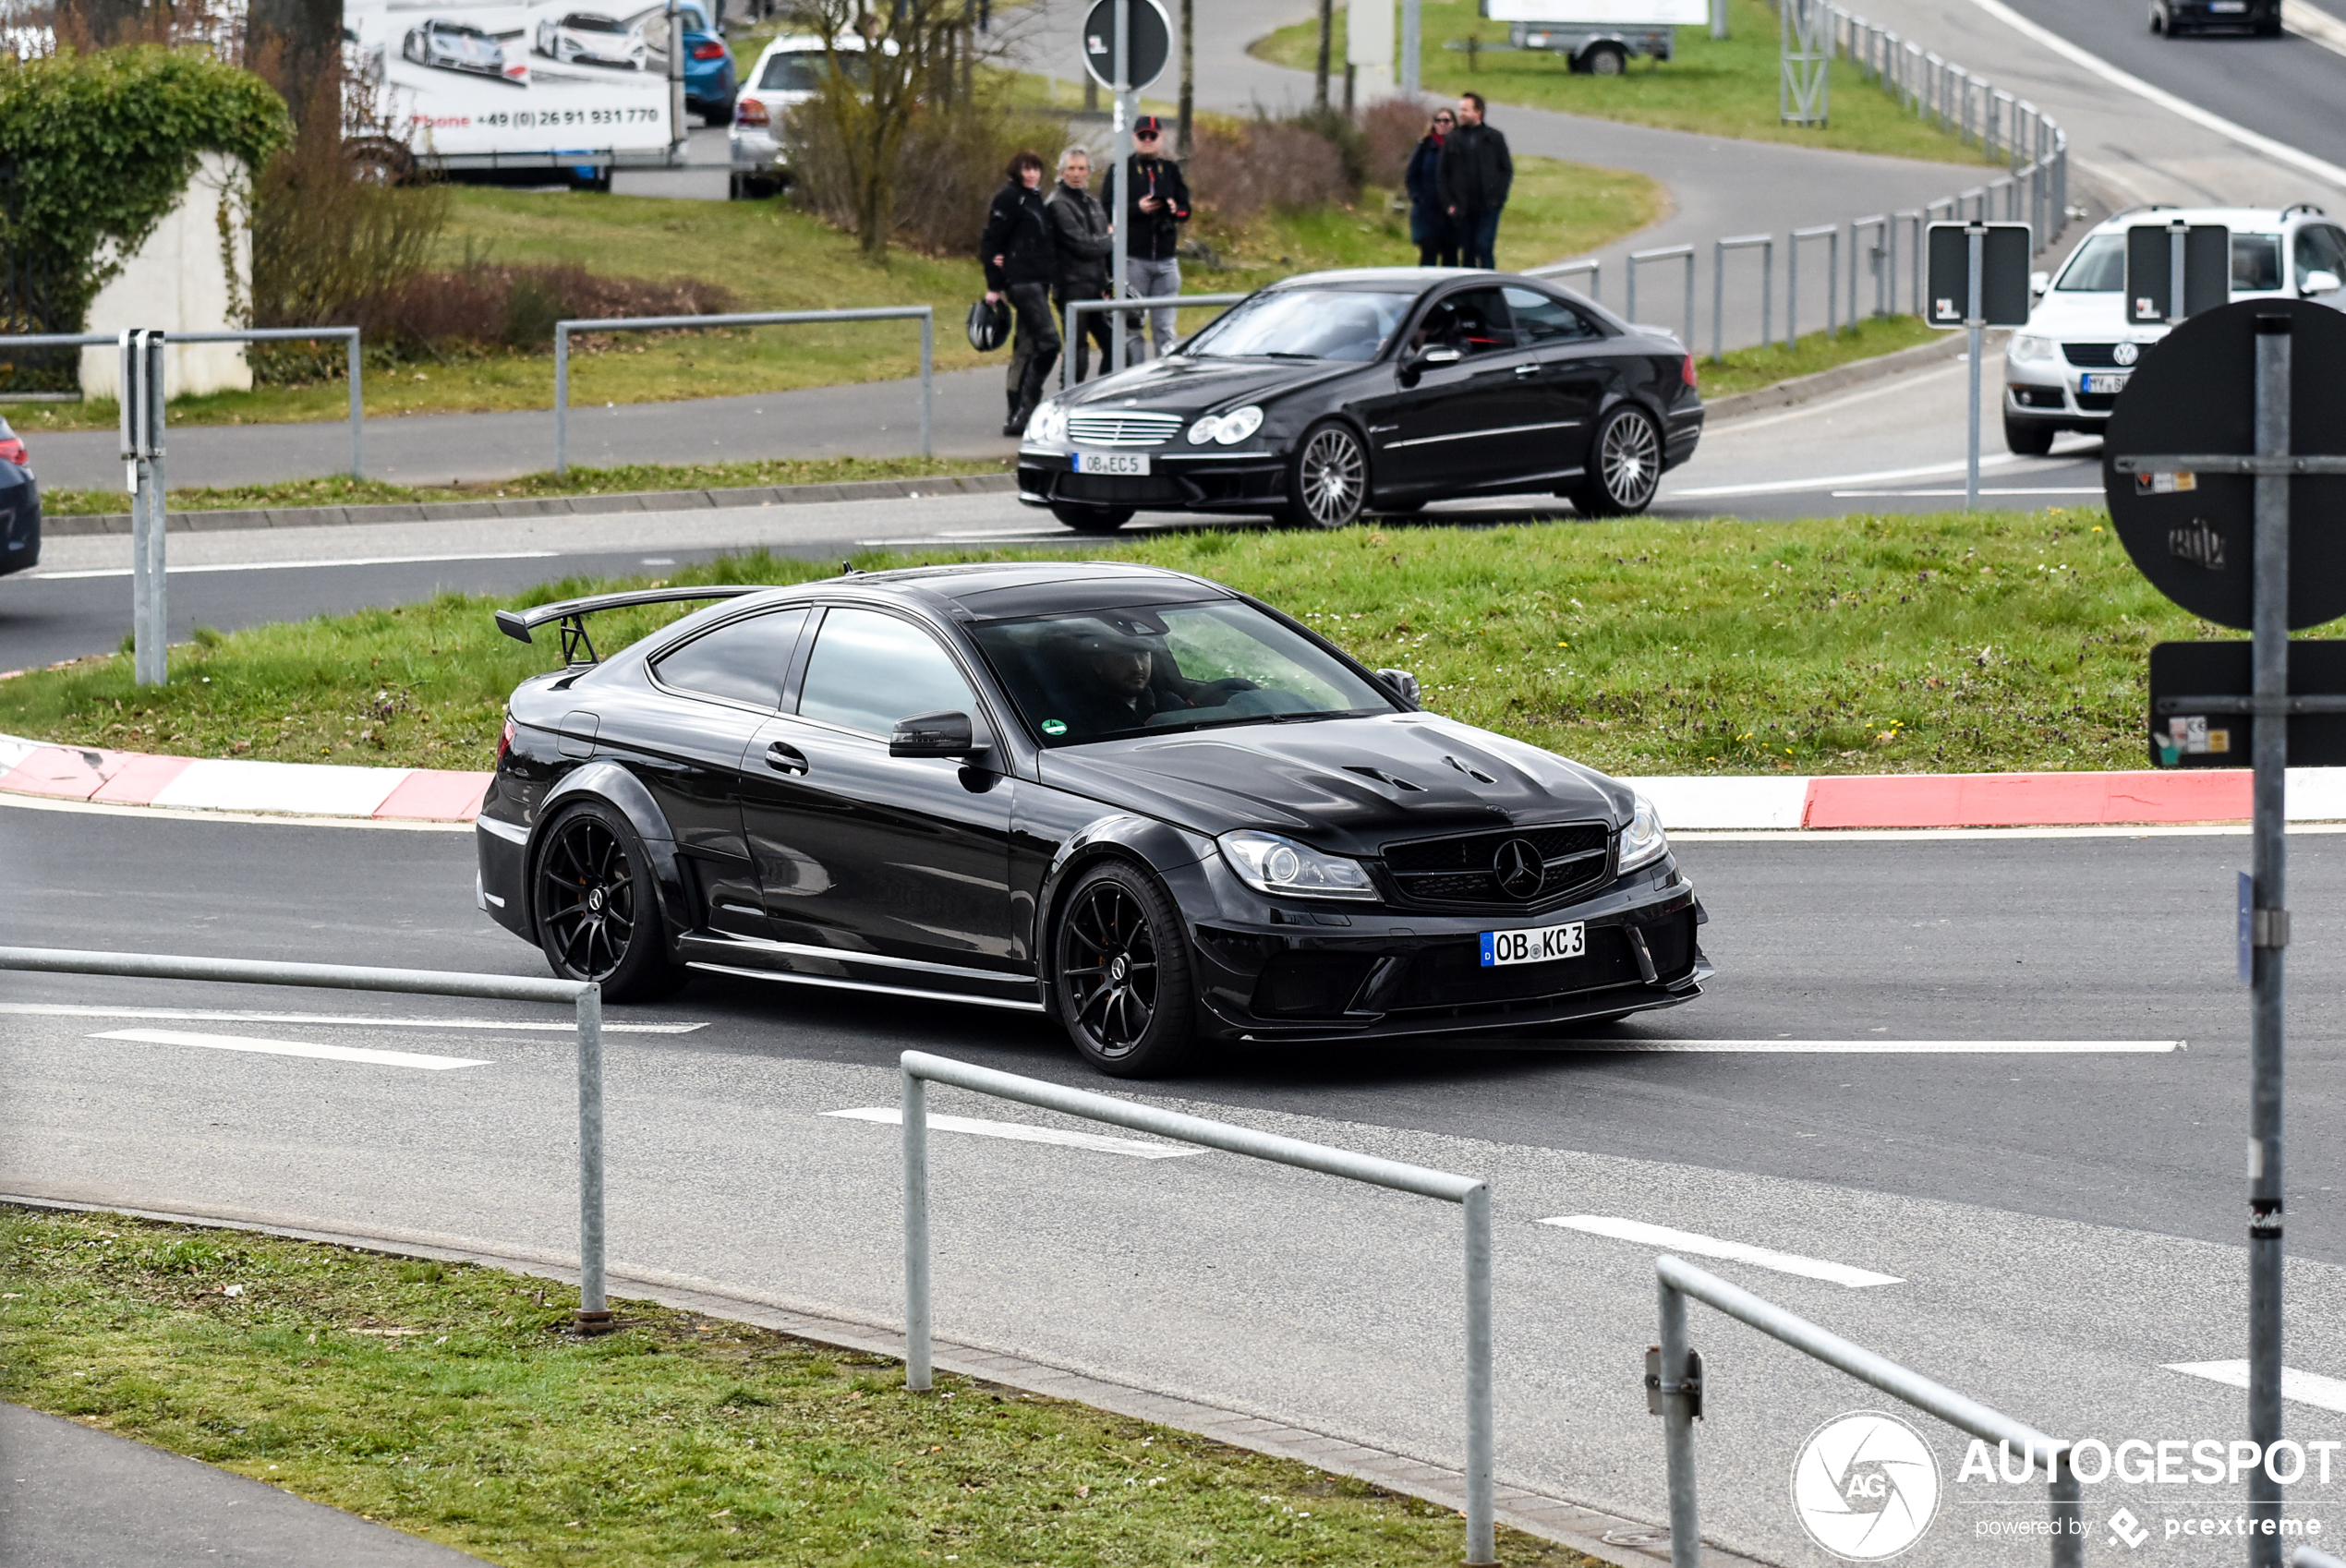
(2063, 1226)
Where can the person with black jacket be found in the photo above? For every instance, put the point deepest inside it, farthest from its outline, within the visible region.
(1430, 226)
(1476, 173)
(1080, 223)
(1021, 256)
(1157, 203)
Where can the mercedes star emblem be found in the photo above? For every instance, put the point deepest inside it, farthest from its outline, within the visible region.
(1518, 868)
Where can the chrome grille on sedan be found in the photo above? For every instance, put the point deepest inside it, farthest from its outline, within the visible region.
(1488, 870)
(1122, 427)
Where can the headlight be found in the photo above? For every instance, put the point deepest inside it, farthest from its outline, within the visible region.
(1238, 424)
(2024, 346)
(1642, 841)
(1269, 863)
(1206, 429)
(1047, 423)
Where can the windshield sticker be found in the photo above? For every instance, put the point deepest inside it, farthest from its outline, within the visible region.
(1054, 727)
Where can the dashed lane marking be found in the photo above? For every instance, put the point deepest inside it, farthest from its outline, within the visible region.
(2303, 1388)
(1891, 1047)
(291, 1048)
(1020, 1132)
(1664, 1239)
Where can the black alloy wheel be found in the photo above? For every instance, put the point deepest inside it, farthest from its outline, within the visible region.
(596, 908)
(1091, 519)
(1625, 465)
(1122, 970)
(1327, 480)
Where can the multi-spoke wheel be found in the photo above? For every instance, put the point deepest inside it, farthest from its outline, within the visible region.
(596, 909)
(1625, 465)
(1327, 480)
(1121, 968)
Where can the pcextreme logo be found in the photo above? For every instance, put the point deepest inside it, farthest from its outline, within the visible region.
(1864, 1486)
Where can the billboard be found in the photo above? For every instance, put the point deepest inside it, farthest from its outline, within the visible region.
(463, 79)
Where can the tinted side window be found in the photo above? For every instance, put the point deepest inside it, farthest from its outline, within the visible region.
(2255, 263)
(1474, 321)
(743, 660)
(2320, 249)
(869, 669)
(1541, 320)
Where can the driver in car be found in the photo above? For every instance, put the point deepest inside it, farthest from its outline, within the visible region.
(1121, 691)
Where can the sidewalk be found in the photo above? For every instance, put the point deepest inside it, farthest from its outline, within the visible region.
(74, 1498)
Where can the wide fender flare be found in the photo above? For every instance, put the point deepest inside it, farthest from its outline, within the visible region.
(1175, 855)
(615, 786)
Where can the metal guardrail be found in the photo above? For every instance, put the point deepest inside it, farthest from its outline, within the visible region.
(1766, 245)
(1470, 1194)
(1080, 310)
(923, 314)
(1682, 1384)
(2312, 1557)
(1665, 253)
(1588, 264)
(593, 1310)
(1830, 234)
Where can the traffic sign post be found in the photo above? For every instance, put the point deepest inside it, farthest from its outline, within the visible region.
(1978, 278)
(2169, 262)
(140, 395)
(2210, 525)
(1126, 46)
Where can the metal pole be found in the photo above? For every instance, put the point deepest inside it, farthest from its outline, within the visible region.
(1833, 271)
(1767, 291)
(358, 414)
(1718, 19)
(1067, 347)
(1412, 44)
(1677, 1427)
(2268, 933)
(562, 397)
(2178, 237)
(928, 378)
(1629, 308)
(916, 1340)
(594, 1309)
(1791, 293)
(1977, 237)
(1121, 154)
(1481, 1544)
(2068, 1515)
(1690, 296)
(1718, 299)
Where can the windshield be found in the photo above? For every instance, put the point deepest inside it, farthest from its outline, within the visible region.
(2099, 267)
(1309, 323)
(1090, 675)
(807, 70)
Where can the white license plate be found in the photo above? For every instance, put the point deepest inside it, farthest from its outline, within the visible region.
(1536, 945)
(1135, 464)
(2103, 383)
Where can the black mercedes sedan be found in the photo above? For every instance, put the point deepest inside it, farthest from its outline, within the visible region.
(1378, 390)
(1138, 803)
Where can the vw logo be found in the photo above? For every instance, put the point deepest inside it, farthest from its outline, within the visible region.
(1866, 1486)
(2125, 354)
(1518, 868)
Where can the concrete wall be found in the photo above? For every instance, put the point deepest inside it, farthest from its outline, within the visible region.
(179, 282)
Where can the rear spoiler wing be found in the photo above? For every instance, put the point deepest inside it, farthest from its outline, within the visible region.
(518, 623)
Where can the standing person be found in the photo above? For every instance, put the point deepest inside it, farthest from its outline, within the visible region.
(1476, 173)
(1430, 226)
(1157, 203)
(1021, 258)
(1079, 225)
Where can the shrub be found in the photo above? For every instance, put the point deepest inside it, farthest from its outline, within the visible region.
(1390, 130)
(1241, 168)
(948, 167)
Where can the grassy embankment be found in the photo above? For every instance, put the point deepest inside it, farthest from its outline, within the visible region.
(445, 1400)
(1991, 642)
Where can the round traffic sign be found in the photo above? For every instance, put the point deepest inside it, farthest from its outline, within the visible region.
(2191, 533)
(1152, 43)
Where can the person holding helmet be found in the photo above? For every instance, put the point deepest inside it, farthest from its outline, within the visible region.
(1019, 253)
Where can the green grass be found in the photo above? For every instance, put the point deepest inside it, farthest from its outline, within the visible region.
(1988, 642)
(1747, 369)
(446, 1401)
(636, 478)
(1719, 88)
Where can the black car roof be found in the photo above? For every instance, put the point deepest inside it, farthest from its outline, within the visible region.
(1006, 590)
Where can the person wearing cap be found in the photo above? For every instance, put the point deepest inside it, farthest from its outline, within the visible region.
(1020, 252)
(1157, 203)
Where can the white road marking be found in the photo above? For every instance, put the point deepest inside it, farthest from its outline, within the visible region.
(1670, 1240)
(1022, 1133)
(291, 565)
(1891, 1047)
(2317, 26)
(2305, 1388)
(220, 1015)
(1827, 481)
(2046, 490)
(292, 1048)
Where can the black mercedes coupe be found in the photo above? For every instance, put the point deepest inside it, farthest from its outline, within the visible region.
(1378, 390)
(1137, 801)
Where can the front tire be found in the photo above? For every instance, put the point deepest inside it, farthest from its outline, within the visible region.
(1624, 465)
(1605, 60)
(2027, 436)
(1091, 519)
(596, 906)
(1327, 479)
(1120, 971)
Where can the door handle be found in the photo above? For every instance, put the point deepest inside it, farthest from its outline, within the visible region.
(1526, 370)
(783, 757)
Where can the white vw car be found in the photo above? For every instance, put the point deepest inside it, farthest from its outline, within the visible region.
(2065, 369)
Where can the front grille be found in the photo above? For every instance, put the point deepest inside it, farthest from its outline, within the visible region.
(1462, 871)
(1122, 427)
(1451, 978)
(2093, 355)
(1130, 488)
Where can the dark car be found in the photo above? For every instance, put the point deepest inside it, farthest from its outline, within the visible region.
(19, 506)
(2176, 18)
(1380, 390)
(1134, 800)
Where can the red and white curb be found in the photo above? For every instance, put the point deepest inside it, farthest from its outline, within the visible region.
(1697, 803)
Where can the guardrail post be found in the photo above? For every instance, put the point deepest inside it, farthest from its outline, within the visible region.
(916, 1331)
(1718, 300)
(1482, 1542)
(358, 413)
(1791, 293)
(562, 397)
(2068, 1514)
(1677, 1427)
(594, 1307)
(928, 374)
(1767, 291)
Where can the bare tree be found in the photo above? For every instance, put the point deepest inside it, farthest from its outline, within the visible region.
(882, 61)
(296, 46)
(1187, 146)
(1320, 72)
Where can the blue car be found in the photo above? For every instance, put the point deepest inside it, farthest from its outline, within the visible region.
(709, 78)
(19, 506)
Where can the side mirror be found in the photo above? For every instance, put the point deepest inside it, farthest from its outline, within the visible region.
(2039, 285)
(1437, 355)
(1404, 684)
(2319, 282)
(946, 733)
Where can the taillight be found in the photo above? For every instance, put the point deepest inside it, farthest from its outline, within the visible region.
(505, 740)
(709, 49)
(749, 112)
(1686, 370)
(12, 452)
